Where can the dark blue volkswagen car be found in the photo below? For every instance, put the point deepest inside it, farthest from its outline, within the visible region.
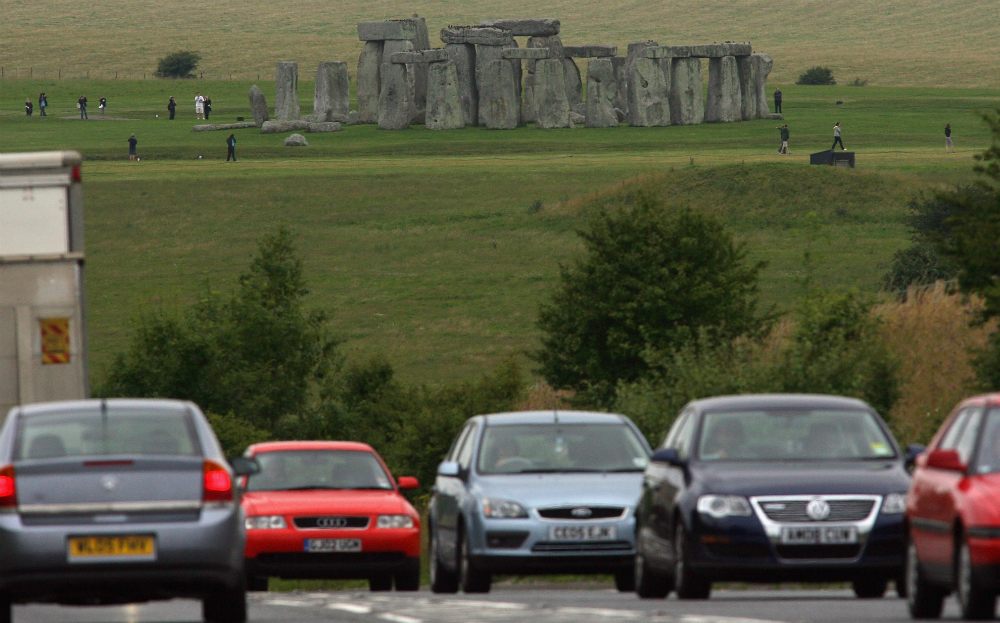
(772, 488)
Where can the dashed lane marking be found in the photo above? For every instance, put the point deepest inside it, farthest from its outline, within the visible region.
(352, 608)
(398, 618)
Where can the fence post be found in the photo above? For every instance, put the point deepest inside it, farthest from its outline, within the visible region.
(60, 73)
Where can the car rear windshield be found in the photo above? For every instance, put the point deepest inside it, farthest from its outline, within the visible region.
(108, 432)
(292, 470)
(540, 448)
(793, 434)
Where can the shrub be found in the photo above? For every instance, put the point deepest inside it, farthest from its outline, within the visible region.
(817, 75)
(178, 65)
(916, 265)
(858, 82)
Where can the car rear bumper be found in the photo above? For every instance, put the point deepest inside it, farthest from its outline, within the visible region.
(332, 566)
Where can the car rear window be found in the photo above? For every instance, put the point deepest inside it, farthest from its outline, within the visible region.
(109, 432)
(301, 470)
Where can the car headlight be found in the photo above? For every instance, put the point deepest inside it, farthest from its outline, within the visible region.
(265, 522)
(720, 506)
(894, 504)
(394, 521)
(503, 509)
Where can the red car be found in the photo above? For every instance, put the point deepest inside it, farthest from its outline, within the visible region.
(329, 510)
(953, 511)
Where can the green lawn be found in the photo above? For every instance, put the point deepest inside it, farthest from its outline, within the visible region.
(424, 246)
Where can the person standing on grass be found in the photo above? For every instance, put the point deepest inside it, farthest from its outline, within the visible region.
(231, 145)
(132, 142)
(836, 138)
(199, 105)
(102, 104)
(784, 139)
(82, 105)
(208, 107)
(947, 139)
(43, 102)
(28, 107)
(172, 107)
(777, 100)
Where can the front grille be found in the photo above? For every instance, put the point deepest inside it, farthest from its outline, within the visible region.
(791, 511)
(578, 546)
(818, 552)
(738, 550)
(582, 512)
(331, 523)
(505, 540)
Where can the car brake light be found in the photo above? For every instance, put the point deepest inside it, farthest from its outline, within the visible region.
(8, 490)
(76, 174)
(218, 484)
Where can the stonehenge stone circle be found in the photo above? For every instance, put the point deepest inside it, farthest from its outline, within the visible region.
(532, 54)
(621, 101)
(444, 98)
(464, 57)
(602, 92)
(258, 106)
(762, 64)
(395, 102)
(332, 94)
(647, 94)
(635, 50)
(574, 85)
(748, 87)
(498, 80)
(525, 27)
(286, 86)
(591, 51)
(476, 35)
(722, 102)
(296, 140)
(686, 107)
(369, 81)
(552, 43)
(552, 107)
(389, 30)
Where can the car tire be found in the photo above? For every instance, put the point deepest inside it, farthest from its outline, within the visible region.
(625, 581)
(976, 602)
(470, 579)
(380, 583)
(870, 588)
(257, 583)
(443, 580)
(688, 584)
(650, 584)
(409, 578)
(227, 605)
(923, 599)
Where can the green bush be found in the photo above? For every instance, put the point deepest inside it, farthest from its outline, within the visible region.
(178, 65)
(917, 265)
(817, 75)
(235, 434)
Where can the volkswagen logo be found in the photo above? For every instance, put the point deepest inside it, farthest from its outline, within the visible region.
(331, 522)
(581, 513)
(818, 510)
(108, 483)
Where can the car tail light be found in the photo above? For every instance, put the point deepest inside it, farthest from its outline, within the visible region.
(218, 484)
(8, 490)
(76, 174)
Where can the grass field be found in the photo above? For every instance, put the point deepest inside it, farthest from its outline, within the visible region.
(937, 43)
(425, 246)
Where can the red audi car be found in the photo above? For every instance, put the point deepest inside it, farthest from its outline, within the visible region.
(953, 509)
(329, 510)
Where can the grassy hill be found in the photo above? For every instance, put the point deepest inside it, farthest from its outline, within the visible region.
(945, 43)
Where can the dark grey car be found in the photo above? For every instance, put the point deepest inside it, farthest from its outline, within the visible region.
(117, 501)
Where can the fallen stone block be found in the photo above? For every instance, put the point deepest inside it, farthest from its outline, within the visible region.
(444, 99)
(648, 102)
(722, 102)
(686, 100)
(325, 126)
(395, 103)
(369, 81)
(397, 29)
(668, 51)
(576, 119)
(525, 53)
(476, 35)
(258, 106)
(591, 51)
(464, 57)
(296, 140)
(762, 64)
(332, 92)
(280, 126)
(212, 127)
(602, 91)
(525, 27)
(286, 87)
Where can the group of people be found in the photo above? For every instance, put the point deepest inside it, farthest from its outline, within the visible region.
(81, 104)
(230, 148)
(43, 103)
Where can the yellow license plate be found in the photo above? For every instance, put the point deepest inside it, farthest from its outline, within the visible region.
(98, 548)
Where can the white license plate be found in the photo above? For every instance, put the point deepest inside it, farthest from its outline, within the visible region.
(333, 545)
(582, 533)
(824, 535)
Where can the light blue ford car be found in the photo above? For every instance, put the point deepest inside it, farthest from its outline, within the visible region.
(537, 492)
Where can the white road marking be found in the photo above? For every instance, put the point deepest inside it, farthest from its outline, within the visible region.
(601, 612)
(353, 608)
(498, 605)
(286, 602)
(398, 618)
(697, 618)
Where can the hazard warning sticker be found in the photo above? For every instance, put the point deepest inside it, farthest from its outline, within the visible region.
(55, 340)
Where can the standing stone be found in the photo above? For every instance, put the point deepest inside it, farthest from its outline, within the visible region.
(748, 87)
(499, 104)
(686, 107)
(574, 86)
(332, 94)
(550, 94)
(722, 104)
(602, 91)
(395, 102)
(647, 94)
(390, 48)
(418, 72)
(444, 98)
(369, 81)
(286, 86)
(621, 100)
(464, 57)
(636, 50)
(762, 64)
(258, 106)
(529, 111)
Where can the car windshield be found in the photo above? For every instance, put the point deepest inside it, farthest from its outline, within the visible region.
(793, 434)
(109, 432)
(540, 448)
(988, 458)
(291, 470)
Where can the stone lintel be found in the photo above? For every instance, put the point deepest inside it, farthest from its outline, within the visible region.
(526, 53)
(669, 51)
(591, 51)
(477, 35)
(393, 30)
(718, 50)
(526, 27)
(419, 56)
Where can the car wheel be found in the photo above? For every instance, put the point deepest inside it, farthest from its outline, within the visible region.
(625, 581)
(379, 583)
(257, 583)
(228, 605)
(409, 578)
(923, 599)
(689, 585)
(975, 602)
(471, 579)
(443, 580)
(648, 583)
(870, 588)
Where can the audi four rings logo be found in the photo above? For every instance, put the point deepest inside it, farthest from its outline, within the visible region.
(818, 510)
(581, 513)
(331, 522)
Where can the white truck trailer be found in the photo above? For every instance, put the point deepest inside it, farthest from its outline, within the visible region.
(43, 331)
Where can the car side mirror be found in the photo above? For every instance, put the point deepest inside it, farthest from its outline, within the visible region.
(946, 459)
(449, 468)
(408, 483)
(668, 455)
(244, 466)
(912, 452)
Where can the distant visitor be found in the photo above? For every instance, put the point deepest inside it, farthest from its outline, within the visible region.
(836, 137)
(172, 106)
(784, 139)
(132, 142)
(28, 106)
(82, 105)
(948, 145)
(777, 100)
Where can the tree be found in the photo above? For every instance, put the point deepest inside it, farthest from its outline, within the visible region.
(178, 65)
(817, 75)
(649, 280)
